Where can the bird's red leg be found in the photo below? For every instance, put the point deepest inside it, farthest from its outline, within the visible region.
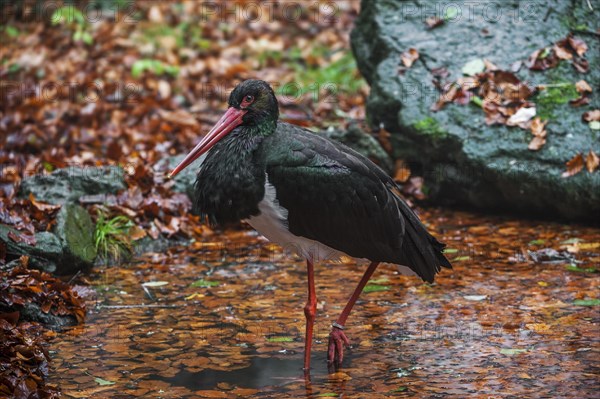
(310, 311)
(337, 338)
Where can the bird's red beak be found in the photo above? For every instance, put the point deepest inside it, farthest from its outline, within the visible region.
(229, 121)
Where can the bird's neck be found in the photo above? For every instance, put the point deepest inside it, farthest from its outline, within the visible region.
(231, 180)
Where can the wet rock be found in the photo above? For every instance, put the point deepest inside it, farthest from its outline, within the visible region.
(464, 161)
(33, 312)
(66, 250)
(46, 254)
(69, 184)
(363, 143)
(184, 181)
(75, 230)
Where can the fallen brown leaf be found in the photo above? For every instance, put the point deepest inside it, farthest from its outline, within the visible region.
(592, 161)
(536, 143)
(583, 87)
(590, 116)
(577, 44)
(41, 205)
(580, 101)
(538, 127)
(179, 117)
(402, 171)
(562, 52)
(409, 57)
(22, 238)
(574, 166)
(582, 65)
(433, 22)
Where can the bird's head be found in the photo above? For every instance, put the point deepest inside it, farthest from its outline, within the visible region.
(252, 103)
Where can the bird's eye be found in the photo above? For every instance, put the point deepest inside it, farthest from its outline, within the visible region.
(249, 99)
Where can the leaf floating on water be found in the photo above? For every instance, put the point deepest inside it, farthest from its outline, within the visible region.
(573, 268)
(280, 339)
(152, 284)
(537, 242)
(461, 258)
(375, 288)
(379, 281)
(103, 382)
(587, 302)
(194, 296)
(475, 297)
(512, 351)
(204, 284)
(450, 250)
(328, 395)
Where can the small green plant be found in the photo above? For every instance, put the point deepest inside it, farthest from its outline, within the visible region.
(340, 76)
(112, 237)
(73, 18)
(184, 34)
(157, 67)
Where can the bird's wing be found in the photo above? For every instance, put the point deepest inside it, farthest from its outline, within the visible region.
(333, 196)
(336, 196)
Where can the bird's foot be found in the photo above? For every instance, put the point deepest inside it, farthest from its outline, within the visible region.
(335, 348)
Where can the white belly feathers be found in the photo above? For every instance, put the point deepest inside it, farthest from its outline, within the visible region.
(272, 223)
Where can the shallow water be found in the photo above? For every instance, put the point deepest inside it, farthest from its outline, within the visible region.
(512, 319)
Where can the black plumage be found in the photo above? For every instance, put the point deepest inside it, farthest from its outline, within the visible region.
(333, 195)
(300, 188)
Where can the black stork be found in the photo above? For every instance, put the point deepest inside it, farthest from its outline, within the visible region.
(303, 191)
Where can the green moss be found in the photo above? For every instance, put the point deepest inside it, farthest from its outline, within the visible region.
(554, 96)
(430, 126)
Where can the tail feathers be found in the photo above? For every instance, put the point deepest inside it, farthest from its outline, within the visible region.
(420, 250)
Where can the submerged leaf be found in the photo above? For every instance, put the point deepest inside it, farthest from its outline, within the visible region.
(512, 351)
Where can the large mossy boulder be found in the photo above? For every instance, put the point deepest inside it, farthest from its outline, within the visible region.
(464, 160)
